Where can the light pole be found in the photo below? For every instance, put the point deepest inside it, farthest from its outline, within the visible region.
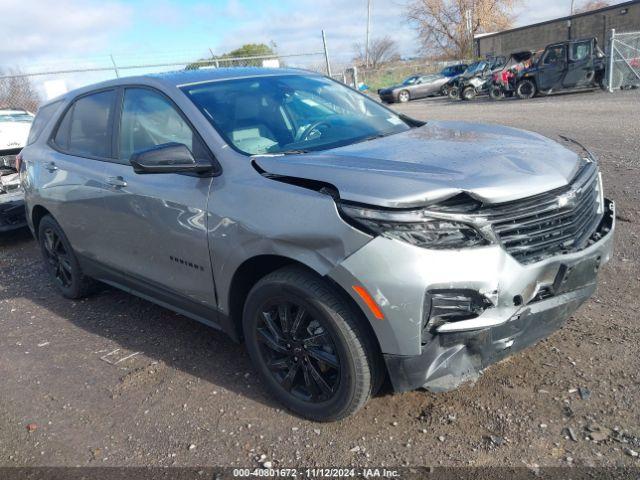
(366, 61)
(570, 21)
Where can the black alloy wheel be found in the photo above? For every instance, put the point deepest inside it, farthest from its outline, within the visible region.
(61, 261)
(298, 351)
(57, 258)
(310, 345)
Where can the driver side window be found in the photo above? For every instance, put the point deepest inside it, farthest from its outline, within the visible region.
(554, 55)
(148, 119)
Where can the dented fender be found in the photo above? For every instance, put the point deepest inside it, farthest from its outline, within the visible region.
(305, 227)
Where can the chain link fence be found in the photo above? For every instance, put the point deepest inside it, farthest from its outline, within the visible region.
(624, 62)
(26, 87)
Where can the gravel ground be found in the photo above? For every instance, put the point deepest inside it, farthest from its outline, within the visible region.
(115, 380)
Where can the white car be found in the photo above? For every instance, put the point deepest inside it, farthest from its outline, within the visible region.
(14, 130)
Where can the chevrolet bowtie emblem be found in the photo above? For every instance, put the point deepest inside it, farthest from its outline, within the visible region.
(567, 199)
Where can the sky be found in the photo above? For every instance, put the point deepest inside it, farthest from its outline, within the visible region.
(38, 36)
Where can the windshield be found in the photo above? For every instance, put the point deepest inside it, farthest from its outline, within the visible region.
(291, 113)
(476, 67)
(16, 117)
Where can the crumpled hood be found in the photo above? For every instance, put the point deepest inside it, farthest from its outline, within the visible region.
(439, 160)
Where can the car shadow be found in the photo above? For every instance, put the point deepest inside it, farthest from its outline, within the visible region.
(131, 324)
(487, 99)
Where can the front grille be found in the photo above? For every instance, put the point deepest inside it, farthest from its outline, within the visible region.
(552, 223)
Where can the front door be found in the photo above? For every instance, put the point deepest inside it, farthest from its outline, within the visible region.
(552, 67)
(156, 224)
(580, 68)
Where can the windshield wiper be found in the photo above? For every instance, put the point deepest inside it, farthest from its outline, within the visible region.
(374, 137)
(294, 151)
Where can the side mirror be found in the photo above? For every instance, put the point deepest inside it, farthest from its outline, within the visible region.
(167, 158)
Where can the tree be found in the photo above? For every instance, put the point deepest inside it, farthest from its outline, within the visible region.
(591, 5)
(447, 27)
(381, 50)
(17, 91)
(246, 50)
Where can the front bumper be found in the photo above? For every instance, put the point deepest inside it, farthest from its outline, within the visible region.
(12, 211)
(398, 275)
(387, 97)
(451, 359)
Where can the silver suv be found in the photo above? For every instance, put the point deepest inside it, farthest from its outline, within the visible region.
(344, 243)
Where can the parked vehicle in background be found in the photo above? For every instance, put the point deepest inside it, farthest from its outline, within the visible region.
(413, 87)
(14, 130)
(567, 65)
(344, 243)
(454, 70)
(504, 81)
(476, 79)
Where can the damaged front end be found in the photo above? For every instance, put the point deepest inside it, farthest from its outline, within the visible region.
(12, 209)
(480, 282)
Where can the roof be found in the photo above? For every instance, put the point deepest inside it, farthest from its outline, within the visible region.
(562, 19)
(183, 77)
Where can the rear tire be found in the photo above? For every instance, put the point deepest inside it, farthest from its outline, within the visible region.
(496, 92)
(61, 262)
(291, 365)
(469, 93)
(618, 79)
(403, 96)
(526, 89)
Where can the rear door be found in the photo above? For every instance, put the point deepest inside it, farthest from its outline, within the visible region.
(72, 170)
(156, 224)
(580, 67)
(552, 67)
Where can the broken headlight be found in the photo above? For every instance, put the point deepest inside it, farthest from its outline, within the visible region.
(417, 227)
(9, 181)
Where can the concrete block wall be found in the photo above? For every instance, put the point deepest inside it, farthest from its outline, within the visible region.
(592, 24)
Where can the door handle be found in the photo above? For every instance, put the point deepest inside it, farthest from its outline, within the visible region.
(117, 182)
(51, 167)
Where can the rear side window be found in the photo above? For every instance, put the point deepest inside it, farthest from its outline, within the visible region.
(85, 129)
(42, 119)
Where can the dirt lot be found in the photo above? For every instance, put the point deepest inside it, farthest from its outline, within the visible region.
(178, 393)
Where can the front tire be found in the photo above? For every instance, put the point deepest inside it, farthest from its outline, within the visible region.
(526, 89)
(308, 345)
(403, 96)
(61, 262)
(454, 93)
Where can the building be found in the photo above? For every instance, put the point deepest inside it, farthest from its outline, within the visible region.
(624, 17)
